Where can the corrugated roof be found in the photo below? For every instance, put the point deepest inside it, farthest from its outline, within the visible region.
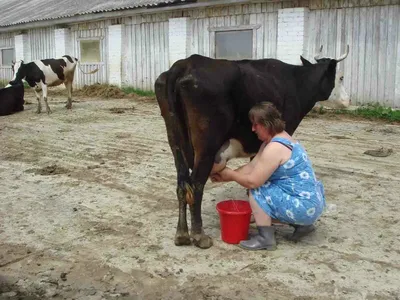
(13, 12)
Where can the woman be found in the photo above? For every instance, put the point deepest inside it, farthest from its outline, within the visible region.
(282, 183)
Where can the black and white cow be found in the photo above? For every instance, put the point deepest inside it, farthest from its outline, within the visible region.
(40, 74)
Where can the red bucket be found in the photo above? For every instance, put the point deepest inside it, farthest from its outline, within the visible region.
(235, 220)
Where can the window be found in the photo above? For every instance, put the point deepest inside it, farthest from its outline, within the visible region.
(90, 51)
(7, 57)
(234, 44)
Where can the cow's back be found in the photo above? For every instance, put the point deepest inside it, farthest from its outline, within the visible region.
(54, 71)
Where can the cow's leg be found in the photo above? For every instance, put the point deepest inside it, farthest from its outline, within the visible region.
(208, 129)
(39, 107)
(175, 135)
(44, 90)
(68, 85)
(199, 177)
(183, 188)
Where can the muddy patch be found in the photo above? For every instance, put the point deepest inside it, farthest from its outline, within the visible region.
(385, 130)
(380, 152)
(340, 137)
(10, 291)
(121, 110)
(123, 135)
(49, 170)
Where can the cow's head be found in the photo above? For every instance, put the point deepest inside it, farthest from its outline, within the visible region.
(339, 98)
(331, 89)
(18, 72)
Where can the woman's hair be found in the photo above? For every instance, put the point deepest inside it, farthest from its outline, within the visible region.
(266, 114)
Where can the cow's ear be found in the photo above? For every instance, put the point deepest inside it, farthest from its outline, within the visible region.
(305, 61)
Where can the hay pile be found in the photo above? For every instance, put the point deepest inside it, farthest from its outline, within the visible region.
(101, 90)
(97, 91)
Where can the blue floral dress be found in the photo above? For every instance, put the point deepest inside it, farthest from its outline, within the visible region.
(292, 194)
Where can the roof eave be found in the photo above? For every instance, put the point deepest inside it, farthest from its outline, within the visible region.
(85, 17)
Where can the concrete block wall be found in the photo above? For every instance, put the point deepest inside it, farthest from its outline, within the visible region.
(22, 47)
(63, 42)
(178, 34)
(115, 54)
(292, 30)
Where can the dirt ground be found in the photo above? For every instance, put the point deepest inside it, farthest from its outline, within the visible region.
(88, 210)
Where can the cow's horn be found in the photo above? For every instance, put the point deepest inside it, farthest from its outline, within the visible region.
(316, 57)
(344, 55)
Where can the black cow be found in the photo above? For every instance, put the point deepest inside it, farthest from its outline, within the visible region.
(11, 99)
(205, 104)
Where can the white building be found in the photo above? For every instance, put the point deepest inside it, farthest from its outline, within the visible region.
(133, 41)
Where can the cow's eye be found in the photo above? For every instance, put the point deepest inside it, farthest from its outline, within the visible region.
(341, 78)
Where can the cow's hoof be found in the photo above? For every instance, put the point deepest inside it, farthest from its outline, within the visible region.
(68, 106)
(182, 239)
(202, 241)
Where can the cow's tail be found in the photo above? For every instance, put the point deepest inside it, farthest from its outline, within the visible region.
(179, 122)
(79, 66)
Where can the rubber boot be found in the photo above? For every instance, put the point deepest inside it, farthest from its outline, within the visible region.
(252, 233)
(301, 231)
(264, 240)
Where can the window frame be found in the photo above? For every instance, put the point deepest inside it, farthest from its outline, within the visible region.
(1, 55)
(100, 39)
(213, 30)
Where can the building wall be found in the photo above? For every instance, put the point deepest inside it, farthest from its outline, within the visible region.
(93, 30)
(42, 43)
(371, 28)
(265, 15)
(145, 51)
(372, 69)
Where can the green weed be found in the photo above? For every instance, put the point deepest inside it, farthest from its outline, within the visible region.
(130, 90)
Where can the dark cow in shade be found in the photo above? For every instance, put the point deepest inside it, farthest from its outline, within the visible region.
(11, 99)
(40, 74)
(205, 104)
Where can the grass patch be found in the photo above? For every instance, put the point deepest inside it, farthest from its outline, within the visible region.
(373, 112)
(139, 92)
(369, 112)
(3, 83)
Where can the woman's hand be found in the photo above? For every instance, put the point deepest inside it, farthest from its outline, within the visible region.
(222, 176)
